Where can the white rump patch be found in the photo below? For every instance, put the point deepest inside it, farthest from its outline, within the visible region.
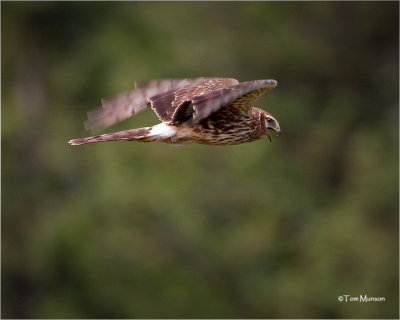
(162, 130)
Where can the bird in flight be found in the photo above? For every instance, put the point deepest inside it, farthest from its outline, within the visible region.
(215, 111)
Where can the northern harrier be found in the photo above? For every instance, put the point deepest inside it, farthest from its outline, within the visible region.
(217, 111)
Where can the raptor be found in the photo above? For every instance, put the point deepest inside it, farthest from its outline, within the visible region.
(215, 111)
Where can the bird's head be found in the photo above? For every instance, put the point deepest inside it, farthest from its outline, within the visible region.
(271, 124)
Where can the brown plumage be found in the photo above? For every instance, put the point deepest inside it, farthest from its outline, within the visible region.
(217, 111)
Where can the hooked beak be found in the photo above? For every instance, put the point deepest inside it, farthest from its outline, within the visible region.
(277, 129)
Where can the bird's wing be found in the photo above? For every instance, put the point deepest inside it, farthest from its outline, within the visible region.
(175, 105)
(239, 97)
(167, 84)
(126, 104)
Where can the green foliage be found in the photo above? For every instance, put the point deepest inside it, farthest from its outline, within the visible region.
(131, 230)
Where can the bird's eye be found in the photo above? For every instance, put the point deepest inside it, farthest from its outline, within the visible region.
(270, 120)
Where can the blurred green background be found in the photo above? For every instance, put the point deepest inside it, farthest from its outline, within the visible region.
(259, 230)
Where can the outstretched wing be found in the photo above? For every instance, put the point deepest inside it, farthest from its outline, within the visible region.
(179, 100)
(126, 104)
(176, 104)
(239, 98)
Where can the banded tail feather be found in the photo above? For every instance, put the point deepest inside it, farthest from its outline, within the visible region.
(148, 134)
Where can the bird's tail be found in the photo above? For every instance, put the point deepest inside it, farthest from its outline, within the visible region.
(148, 134)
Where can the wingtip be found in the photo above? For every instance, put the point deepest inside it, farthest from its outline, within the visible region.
(271, 82)
(73, 142)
